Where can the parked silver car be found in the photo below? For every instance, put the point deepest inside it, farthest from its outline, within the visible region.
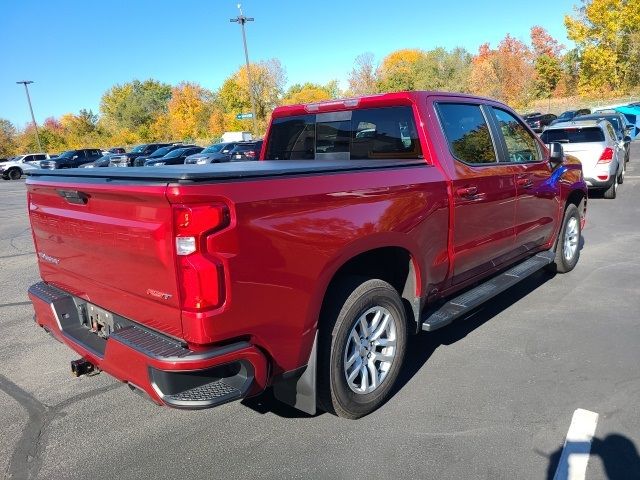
(595, 144)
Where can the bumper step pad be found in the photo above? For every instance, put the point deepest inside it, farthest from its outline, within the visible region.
(206, 393)
(468, 301)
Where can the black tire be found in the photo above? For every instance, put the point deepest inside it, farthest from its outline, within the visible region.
(562, 264)
(621, 176)
(612, 192)
(347, 301)
(14, 173)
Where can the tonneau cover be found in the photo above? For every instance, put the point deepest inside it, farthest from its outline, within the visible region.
(225, 171)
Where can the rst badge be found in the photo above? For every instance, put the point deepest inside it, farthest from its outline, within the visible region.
(48, 258)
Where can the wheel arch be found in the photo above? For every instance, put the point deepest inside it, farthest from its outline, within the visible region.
(394, 264)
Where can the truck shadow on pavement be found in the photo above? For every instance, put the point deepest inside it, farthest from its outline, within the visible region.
(618, 454)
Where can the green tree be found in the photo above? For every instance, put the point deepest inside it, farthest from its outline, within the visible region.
(443, 70)
(548, 75)
(134, 105)
(8, 134)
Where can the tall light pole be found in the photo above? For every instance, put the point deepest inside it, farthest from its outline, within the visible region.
(35, 125)
(241, 19)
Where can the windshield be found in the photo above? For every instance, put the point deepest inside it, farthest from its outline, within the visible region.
(175, 153)
(161, 152)
(214, 148)
(569, 115)
(67, 154)
(139, 148)
(573, 135)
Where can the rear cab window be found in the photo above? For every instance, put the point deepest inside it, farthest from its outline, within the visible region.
(573, 135)
(362, 134)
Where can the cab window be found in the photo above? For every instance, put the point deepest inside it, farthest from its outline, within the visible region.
(521, 145)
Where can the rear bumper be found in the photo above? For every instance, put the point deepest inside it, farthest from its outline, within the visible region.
(167, 371)
(597, 183)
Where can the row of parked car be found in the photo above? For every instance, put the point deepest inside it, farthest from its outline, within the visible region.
(147, 155)
(601, 140)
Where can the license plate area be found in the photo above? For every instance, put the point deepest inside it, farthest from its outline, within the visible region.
(98, 320)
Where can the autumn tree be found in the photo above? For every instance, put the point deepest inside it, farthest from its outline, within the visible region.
(267, 78)
(607, 35)
(399, 70)
(363, 79)
(189, 110)
(506, 73)
(310, 92)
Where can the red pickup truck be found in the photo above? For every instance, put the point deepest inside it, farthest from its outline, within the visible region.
(365, 221)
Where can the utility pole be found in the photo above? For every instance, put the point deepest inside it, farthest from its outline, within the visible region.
(35, 125)
(241, 19)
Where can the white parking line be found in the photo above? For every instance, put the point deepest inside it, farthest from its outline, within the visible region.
(575, 453)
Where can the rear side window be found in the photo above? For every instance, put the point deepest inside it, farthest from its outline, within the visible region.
(372, 133)
(292, 138)
(467, 132)
(384, 133)
(573, 135)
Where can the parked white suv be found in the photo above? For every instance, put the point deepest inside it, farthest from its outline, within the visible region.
(595, 144)
(16, 166)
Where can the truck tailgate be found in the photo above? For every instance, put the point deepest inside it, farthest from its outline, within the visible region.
(111, 244)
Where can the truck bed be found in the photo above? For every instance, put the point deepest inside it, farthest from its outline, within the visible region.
(224, 171)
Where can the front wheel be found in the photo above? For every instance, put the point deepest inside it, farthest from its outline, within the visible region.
(568, 245)
(362, 343)
(14, 174)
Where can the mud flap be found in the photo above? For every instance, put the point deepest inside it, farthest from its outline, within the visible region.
(298, 388)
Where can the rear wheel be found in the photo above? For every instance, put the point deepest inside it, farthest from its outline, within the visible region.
(568, 244)
(362, 343)
(621, 176)
(14, 173)
(611, 192)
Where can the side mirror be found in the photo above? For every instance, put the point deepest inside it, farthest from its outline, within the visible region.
(556, 153)
(626, 139)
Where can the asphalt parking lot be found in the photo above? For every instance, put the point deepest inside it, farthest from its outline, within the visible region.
(491, 397)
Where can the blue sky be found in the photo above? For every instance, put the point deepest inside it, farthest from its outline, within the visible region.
(75, 50)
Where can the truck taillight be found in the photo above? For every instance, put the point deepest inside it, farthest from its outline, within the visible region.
(607, 155)
(200, 274)
(250, 153)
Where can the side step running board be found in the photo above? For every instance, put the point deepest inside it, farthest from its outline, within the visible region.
(468, 301)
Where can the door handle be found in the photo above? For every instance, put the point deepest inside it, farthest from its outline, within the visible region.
(467, 191)
(524, 182)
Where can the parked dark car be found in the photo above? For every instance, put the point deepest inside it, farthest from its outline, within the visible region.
(127, 159)
(620, 126)
(219, 152)
(570, 115)
(175, 157)
(246, 151)
(159, 153)
(101, 162)
(538, 122)
(72, 158)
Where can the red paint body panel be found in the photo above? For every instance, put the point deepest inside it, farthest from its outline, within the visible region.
(286, 238)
